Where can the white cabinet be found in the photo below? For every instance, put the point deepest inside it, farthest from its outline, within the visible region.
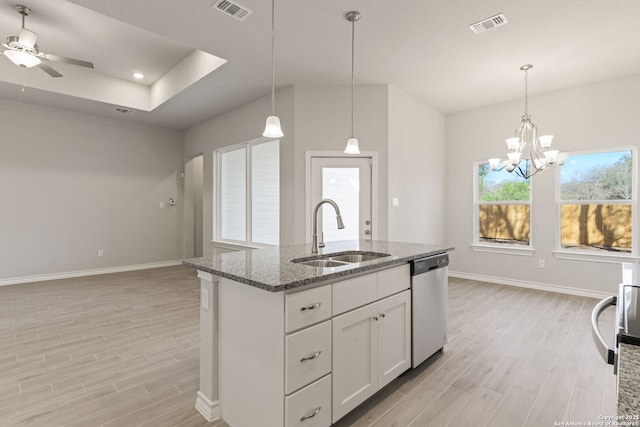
(307, 357)
(311, 406)
(371, 347)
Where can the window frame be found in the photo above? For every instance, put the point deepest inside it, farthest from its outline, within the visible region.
(217, 199)
(595, 255)
(501, 248)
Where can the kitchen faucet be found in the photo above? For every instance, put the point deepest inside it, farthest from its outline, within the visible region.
(315, 245)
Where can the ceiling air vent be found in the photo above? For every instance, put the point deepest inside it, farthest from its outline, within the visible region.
(123, 110)
(233, 9)
(488, 24)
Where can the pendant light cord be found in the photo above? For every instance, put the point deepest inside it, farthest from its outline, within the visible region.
(526, 90)
(353, 38)
(273, 62)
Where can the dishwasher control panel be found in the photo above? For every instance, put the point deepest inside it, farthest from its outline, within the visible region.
(423, 265)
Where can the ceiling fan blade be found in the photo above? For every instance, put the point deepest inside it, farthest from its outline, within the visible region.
(47, 69)
(27, 38)
(66, 60)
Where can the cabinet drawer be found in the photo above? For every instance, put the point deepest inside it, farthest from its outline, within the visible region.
(353, 293)
(393, 280)
(311, 406)
(307, 307)
(307, 356)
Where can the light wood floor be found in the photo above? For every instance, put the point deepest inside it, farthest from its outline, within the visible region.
(122, 350)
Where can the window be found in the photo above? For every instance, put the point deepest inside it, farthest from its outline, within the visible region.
(502, 209)
(596, 199)
(248, 193)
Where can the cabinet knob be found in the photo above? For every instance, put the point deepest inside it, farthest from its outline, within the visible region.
(383, 315)
(311, 415)
(375, 318)
(311, 307)
(313, 356)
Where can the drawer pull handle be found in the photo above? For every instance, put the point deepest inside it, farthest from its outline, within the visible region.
(311, 415)
(311, 307)
(313, 356)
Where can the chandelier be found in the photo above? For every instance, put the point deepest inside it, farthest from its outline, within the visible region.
(527, 153)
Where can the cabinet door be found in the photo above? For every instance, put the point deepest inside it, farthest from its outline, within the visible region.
(355, 364)
(394, 337)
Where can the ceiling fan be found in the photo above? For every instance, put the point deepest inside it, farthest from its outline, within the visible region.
(23, 50)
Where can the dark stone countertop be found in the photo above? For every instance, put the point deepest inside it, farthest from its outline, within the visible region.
(629, 382)
(270, 268)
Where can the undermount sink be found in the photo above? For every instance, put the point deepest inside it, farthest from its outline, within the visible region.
(322, 263)
(339, 259)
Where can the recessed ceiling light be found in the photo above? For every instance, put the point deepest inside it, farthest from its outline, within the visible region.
(138, 76)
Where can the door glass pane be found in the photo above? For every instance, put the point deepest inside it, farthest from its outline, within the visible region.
(233, 199)
(342, 185)
(265, 193)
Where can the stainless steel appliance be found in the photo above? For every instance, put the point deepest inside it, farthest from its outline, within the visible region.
(429, 284)
(627, 325)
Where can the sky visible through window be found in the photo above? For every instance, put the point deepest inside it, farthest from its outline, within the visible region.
(577, 164)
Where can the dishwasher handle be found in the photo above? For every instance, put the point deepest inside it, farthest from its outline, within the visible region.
(607, 354)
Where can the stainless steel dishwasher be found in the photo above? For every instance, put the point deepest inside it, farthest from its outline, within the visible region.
(429, 289)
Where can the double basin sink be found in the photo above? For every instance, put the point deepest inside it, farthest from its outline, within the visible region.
(339, 259)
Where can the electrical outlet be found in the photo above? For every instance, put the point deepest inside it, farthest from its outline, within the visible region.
(100, 252)
(541, 263)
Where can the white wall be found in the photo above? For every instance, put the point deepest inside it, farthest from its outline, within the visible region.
(314, 118)
(245, 124)
(588, 117)
(72, 183)
(323, 123)
(416, 170)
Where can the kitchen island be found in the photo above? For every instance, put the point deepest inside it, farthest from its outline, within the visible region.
(277, 336)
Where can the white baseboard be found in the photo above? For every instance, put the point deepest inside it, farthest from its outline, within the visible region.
(531, 285)
(208, 409)
(82, 273)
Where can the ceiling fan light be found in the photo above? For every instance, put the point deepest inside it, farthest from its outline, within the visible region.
(352, 146)
(22, 59)
(272, 128)
(27, 38)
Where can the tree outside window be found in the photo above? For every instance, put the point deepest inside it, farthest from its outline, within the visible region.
(503, 207)
(596, 202)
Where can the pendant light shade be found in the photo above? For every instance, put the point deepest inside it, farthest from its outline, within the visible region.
(352, 146)
(272, 127)
(352, 142)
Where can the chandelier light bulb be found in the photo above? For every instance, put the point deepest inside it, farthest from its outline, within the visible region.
(545, 141)
(494, 163)
(513, 144)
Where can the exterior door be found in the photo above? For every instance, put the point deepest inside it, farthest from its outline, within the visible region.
(347, 181)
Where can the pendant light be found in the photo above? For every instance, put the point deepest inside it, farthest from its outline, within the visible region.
(352, 142)
(272, 127)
